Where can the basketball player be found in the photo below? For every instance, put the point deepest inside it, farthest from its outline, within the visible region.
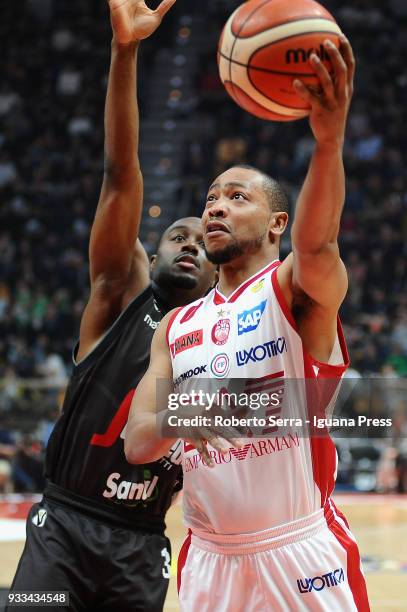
(98, 533)
(264, 533)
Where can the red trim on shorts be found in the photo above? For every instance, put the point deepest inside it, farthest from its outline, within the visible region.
(219, 299)
(182, 558)
(339, 513)
(356, 579)
(170, 322)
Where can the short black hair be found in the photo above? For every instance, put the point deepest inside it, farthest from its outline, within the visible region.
(277, 197)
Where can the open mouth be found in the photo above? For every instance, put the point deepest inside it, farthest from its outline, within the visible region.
(216, 226)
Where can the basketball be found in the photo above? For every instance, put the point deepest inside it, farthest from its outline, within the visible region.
(265, 45)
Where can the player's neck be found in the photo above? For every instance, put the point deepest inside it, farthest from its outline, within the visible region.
(169, 298)
(233, 274)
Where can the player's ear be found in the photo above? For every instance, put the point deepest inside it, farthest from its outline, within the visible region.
(277, 225)
(153, 260)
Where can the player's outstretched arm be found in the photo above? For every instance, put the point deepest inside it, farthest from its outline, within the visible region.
(119, 267)
(314, 272)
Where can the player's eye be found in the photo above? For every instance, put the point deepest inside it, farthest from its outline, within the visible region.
(238, 196)
(211, 198)
(201, 243)
(179, 238)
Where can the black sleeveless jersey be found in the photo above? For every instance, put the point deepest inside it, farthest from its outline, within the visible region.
(85, 454)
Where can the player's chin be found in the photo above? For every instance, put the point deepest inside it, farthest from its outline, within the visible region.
(185, 280)
(218, 256)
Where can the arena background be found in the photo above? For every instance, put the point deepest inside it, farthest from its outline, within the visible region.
(54, 65)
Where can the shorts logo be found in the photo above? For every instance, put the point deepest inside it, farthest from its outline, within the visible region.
(261, 352)
(249, 320)
(258, 286)
(318, 583)
(220, 332)
(187, 341)
(40, 518)
(192, 372)
(220, 365)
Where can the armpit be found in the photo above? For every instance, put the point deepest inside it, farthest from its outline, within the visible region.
(301, 304)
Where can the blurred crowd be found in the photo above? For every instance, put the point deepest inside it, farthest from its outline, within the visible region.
(374, 228)
(54, 69)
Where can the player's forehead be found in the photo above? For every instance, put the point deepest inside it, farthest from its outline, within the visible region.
(247, 178)
(187, 225)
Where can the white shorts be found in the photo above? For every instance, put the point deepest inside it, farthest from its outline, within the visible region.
(312, 564)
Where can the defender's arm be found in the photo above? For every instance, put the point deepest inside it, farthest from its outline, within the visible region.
(119, 267)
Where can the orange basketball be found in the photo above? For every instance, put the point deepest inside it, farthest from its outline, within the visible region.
(265, 45)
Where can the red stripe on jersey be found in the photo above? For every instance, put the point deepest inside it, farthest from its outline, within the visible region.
(323, 450)
(171, 321)
(281, 300)
(188, 447)
(275, 385)
(219, 299)
(320, 389)
(182, 558)
(256, 381)
(326, 369)
(190, 313)
(356, 579)
(117, 424)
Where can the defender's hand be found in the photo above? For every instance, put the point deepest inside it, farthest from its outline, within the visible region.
(132, 20)
(330, 104)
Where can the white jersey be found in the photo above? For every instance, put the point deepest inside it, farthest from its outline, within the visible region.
(249, 342)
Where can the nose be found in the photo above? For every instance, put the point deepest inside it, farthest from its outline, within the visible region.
(190, 247)
(217, 211)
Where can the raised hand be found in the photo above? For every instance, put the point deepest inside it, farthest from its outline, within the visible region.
(330, 104)
(132, 20)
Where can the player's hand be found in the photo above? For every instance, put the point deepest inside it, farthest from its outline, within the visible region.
(220, 438)
(197, 426)
(330, 103)
(221, 444)
(132, 20)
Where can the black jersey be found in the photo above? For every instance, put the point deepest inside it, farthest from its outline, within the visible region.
(85, 453)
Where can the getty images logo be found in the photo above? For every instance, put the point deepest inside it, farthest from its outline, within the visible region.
(318, 583)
